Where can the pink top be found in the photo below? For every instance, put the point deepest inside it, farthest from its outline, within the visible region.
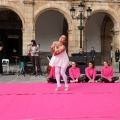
(52, 73)
(60, 60)
(74, 72)
(107, 72)
(90, 73)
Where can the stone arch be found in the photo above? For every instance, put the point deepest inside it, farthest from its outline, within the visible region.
(15, 9)
(56, 7)
(111, 13)
(115, 18)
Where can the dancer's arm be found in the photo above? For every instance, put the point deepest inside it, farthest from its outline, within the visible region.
(87, 73)
(77, 73)
(94, 73)
(52, 48)
(103, 75)
(59, 50)
(71, 73)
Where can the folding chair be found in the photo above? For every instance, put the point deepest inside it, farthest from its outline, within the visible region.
(5, 63)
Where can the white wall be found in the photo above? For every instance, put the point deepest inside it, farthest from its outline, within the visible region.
(93, 32)
(49, 27)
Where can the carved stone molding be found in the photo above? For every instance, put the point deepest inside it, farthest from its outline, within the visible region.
(29, 2)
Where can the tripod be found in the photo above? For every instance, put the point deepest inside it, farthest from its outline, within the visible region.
(44, 71)
(22, 65)
(16, 63)
(23, 61)
(42, 67)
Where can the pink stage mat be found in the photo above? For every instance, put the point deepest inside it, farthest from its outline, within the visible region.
(39, 101)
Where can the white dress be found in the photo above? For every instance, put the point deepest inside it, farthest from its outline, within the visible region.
(33, 50)
(60, 60)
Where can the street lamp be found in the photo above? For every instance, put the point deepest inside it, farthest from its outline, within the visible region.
(80, 17)
(72, 12)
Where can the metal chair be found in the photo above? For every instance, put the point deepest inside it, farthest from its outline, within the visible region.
(5, 63)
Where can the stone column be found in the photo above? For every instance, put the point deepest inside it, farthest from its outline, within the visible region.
(73, 43)
(84, 40)
(105, 48)
(28, 31)
(74, 38)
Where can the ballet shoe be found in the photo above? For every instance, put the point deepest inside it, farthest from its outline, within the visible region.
(66, 89)
(57, 89)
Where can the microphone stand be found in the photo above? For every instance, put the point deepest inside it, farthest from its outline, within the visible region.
(38, 73)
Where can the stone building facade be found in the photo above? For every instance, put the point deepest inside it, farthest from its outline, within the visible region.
(30, 10)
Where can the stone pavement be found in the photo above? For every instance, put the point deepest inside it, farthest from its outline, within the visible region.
(32, 79)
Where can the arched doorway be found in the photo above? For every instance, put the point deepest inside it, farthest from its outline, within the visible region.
(98, 35)
(50, 25)
(11, 33)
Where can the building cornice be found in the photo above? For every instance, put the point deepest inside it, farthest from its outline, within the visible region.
(103, 1)
(29, 2)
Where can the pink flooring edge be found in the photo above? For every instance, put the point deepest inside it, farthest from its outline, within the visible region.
(39, 101)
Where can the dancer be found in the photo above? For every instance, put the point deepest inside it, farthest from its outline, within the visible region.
(90, 73)
(60, 61)
(107, 73)
(74, 73)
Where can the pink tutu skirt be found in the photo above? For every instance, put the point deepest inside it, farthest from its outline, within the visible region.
(60, 60)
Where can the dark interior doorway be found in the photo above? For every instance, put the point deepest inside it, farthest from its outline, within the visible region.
(11, 34)
(12, 47)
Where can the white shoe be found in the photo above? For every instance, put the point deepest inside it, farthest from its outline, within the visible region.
(57, 89)
(66, 89)
(89, 81)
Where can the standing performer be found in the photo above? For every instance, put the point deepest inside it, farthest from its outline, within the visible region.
(92, 54)
(34, 51)
(60, 61)
(117, 56)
